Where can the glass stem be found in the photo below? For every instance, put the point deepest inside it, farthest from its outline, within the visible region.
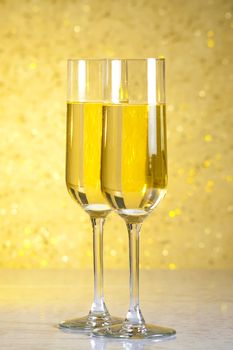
(98, 305)
(134, 316)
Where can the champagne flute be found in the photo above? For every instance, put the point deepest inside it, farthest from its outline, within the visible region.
(134, 166)
(83, 159)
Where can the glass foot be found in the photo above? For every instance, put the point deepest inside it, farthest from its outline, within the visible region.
(89, 323)
(146, 332)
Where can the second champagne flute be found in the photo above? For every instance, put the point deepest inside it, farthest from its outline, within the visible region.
(83, 158)
(134, 166)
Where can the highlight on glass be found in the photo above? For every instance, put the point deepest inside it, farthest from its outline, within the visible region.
(83, 162)
(134, 166)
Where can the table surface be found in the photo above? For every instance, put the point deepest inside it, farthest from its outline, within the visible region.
(198, 304)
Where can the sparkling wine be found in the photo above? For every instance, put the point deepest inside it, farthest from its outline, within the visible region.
(134, 163)
(83, 156)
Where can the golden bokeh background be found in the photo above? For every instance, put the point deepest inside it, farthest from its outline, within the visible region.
(40, 226)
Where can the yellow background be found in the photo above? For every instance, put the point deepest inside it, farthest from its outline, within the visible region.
(40, 226)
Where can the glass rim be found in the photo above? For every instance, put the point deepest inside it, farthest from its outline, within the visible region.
(136, 59)
(85, 59)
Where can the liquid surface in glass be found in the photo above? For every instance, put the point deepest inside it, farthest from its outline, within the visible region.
(83, 156)
(134, 158)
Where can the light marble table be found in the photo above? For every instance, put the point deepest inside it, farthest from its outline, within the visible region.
(198, 304)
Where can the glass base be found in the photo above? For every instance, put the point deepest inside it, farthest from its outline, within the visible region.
(146, 332)
(88, 323)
